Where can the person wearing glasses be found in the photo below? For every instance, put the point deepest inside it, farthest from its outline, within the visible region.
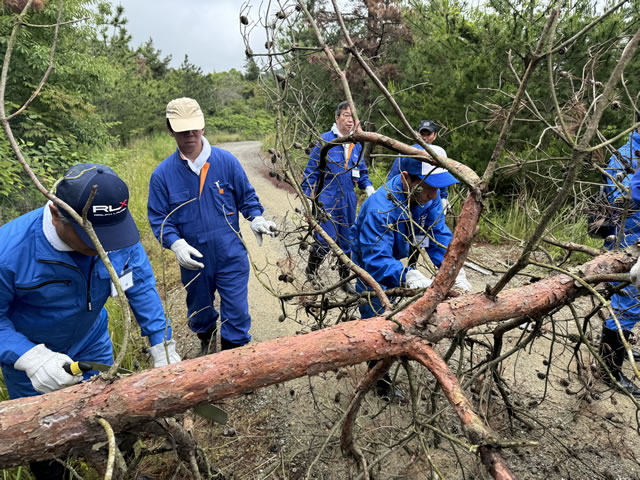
(331, 186)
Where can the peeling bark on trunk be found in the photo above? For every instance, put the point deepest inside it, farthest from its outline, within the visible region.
(51, 425)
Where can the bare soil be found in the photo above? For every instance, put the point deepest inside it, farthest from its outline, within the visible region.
(566, 424)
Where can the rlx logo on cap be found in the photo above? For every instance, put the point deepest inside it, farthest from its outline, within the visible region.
(109, 209)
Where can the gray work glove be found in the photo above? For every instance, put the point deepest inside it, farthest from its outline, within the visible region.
(184, 253)
(45, 369)
(369, 190)
(260, 226)
(159, 353)
(416, 279)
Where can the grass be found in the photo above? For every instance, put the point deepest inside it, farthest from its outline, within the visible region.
(515, 222)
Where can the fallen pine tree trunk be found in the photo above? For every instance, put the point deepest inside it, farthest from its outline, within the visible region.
(52, 425)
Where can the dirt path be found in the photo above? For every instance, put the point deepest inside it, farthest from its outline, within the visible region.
(263, 307)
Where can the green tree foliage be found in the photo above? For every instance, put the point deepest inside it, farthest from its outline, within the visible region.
(252, 70)
(138, 91)
(460, 66)
(189, 81)
(102, 92)
(62, 124)
(63, 108)
(379, 32)
(239, 105)
(457, 73)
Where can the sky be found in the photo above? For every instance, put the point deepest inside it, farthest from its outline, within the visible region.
(206, 30)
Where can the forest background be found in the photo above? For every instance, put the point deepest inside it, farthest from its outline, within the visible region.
(442, 60)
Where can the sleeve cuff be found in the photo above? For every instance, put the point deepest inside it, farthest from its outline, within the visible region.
(157, 337)
(170, 239)
(254, 213)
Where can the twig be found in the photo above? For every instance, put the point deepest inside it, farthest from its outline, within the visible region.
(112, 447)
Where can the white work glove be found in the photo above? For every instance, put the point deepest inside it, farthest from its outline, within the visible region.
(415, 279)
(635, 274)
(183, 252)
(159, 354)
(461, 281)
(445, 204)
(260, 227)
(369, 190)
(45, 369)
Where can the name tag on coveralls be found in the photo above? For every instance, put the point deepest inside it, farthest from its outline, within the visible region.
(126, 282)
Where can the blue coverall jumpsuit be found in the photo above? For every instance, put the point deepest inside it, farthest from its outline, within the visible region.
(627, 307)
(209, 223)
(337, 196)
(46, 297)
(382, 234)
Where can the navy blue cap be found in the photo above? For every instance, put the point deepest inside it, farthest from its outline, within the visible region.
(429, 125)
(431, 175)
(108, 213)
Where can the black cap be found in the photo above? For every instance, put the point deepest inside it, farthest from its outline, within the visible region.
(429, 125)
(108, 213)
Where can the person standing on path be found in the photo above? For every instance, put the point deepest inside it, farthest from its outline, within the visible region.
(344, 169)
(196, 196)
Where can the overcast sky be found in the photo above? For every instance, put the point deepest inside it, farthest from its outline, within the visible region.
(206, 30)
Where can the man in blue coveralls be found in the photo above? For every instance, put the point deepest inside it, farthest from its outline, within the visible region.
(53, 288)
(343, 170)
(196, 196)
(385, 227)
(428, 130)
(621, 168)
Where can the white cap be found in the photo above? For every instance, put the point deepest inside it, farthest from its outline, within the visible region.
(184, 114)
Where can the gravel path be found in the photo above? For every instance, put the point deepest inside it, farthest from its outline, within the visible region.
(263, 307)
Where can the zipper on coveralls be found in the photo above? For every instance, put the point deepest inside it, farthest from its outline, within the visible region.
(73, 267)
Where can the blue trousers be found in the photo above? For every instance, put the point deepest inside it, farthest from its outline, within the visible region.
(373, 307)
(231, 280)
(339, 229)
(627, 309)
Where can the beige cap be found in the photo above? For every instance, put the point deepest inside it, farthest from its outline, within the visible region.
(184, 114)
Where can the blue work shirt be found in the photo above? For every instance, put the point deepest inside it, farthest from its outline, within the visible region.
(341, 175)
(46, 298)
(621, 166)
(212, 212)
